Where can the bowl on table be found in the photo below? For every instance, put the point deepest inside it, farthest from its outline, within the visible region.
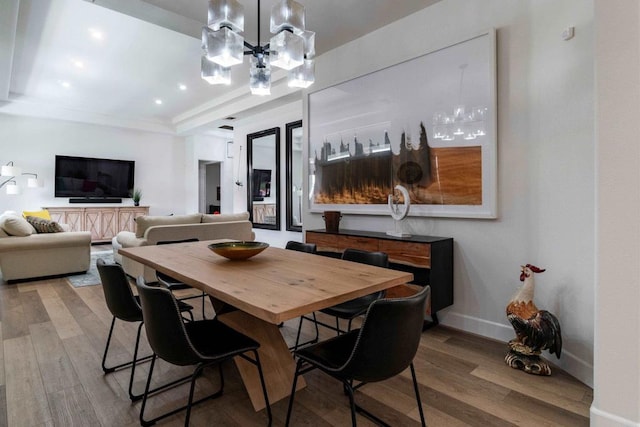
(238, 250)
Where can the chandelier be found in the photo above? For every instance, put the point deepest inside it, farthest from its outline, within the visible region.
(291, 47)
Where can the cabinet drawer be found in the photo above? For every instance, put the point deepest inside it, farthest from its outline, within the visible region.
(357, 242)
(412, 253)
(324, 242)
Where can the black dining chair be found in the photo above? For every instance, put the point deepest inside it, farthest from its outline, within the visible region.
(383, 347)
(125, 306)
(349, 310)
(203, 343)
(309, 248)
(174, 284)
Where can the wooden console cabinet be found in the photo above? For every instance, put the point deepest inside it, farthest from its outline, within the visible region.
(102, 221)
(430, 259)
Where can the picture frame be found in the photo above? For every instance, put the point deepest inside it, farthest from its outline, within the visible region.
(428, 124)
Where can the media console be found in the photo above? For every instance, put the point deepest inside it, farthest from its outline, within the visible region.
(104, 222)
(429, 258)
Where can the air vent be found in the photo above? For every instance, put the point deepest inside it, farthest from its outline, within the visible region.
(226, 127)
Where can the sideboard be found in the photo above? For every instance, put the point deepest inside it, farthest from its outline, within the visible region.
(104, 222)
(429, 258)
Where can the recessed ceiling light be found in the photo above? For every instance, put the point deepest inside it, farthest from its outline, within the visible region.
(65, 84)
(96, 34)
(77, 63)
(158, 101)
(182, 86)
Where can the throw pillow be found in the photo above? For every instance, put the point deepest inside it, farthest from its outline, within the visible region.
(40, 214)
(15, 225)
(44, 225)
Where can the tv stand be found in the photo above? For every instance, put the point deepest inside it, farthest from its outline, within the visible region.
(95, 200)
(104, 222)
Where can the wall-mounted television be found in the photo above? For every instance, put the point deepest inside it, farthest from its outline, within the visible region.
(93, 178)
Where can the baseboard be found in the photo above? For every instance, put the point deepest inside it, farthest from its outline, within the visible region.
(573, 365)
(604, 419)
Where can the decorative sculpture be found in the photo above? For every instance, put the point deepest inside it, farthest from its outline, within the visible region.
(536, 330)
(399, 212)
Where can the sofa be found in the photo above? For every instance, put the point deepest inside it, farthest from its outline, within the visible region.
(27, 254)
(153, 229)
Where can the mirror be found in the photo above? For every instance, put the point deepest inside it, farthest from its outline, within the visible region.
(294, 176)
(263, 178)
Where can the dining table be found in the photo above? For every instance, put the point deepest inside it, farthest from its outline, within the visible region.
(256, 295)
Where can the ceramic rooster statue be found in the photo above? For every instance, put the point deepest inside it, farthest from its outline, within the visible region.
(536, 330)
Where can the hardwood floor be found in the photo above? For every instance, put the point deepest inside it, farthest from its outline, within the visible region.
(52, 337)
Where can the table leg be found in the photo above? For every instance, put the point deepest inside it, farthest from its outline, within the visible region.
(278, 365)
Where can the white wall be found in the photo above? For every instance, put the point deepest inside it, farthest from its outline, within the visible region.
(617, 327)
(277, 117)
(32, 144)
(545, 161)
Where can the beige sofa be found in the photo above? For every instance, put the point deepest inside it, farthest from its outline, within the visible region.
(153, 229)
(25, 254)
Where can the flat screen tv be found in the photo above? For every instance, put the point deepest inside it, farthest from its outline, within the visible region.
(93, 178)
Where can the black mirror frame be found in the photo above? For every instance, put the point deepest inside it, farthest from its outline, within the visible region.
(250, 137)
(289, 171)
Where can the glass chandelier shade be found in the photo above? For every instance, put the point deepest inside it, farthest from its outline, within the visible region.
(286, 50)
(287, 15)
(302, 76)
(213, 73)
(224, 47)
(260, 76)
(291, 47)
(225, 13)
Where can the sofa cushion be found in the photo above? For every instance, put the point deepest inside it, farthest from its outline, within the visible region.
(244, 216)
(15, 225)
(3, 233)
(40, 214)
(43, 225)
(146, 221)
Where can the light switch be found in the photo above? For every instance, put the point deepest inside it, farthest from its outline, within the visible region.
(568, 33)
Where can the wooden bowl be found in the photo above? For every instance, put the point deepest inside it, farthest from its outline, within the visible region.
(238, 250)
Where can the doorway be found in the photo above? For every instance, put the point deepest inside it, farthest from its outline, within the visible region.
(209, 194)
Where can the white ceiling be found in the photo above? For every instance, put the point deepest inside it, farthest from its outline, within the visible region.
(148, 48)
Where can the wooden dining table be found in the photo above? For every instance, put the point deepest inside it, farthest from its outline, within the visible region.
(255, 295)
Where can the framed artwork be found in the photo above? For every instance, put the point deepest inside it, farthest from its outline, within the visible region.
(427, 124)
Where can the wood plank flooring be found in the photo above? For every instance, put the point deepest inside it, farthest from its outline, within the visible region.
(52, 337)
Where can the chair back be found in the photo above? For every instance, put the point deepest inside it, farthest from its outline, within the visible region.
(169, 242)
(117, 292)
(388, 339)
(379, 259)
(163, 323)
(309, 248)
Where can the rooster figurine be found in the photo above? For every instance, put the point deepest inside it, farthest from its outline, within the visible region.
(536, 330)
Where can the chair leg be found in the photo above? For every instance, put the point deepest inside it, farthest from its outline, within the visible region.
(352, 403)
(191, 390)
(264, 387)
(190, 403)
(315, 323)
(419, 401)
(135, 397)
(293, 391)
(106, 348)
(132, 363)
